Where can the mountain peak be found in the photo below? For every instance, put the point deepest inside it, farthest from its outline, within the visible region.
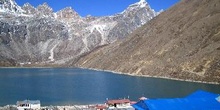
(45, 10)
(142, 3)
(67, 13)
(10, 6)
(45, 6)
(138, 6)
(29, 8)
(27, 5)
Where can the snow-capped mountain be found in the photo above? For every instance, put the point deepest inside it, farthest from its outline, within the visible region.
(39, 35)
(10, 6)
(29, 9)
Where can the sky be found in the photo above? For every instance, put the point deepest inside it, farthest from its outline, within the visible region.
(98, 7)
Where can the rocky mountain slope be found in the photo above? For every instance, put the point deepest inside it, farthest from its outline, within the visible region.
(182, 42)
(39, 36)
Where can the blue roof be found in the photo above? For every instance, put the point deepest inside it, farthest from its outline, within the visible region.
(199, 100)
(141, 105)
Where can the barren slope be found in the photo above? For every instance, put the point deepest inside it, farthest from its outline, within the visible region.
(182, 42)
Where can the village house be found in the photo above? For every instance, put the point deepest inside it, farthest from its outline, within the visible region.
(28, 104)
(119, 104)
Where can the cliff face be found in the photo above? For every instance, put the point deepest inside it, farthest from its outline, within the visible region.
(39, 36)
(182, 42)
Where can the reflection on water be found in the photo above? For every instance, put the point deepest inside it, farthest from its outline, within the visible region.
(62, 86)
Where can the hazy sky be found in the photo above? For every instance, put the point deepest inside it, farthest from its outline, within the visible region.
(98, 7)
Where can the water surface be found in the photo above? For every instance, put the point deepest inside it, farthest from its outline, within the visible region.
(64, 86)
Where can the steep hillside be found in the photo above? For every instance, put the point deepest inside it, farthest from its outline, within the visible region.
(40, 36)
(182, 42)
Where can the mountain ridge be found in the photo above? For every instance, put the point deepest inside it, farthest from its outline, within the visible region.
(180, 43)
(39, 36)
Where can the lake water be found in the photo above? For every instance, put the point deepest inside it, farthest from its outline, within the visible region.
(64, 86)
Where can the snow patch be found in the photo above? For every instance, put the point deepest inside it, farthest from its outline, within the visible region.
(86, 45)
(25, 15)
(55, 15)
(51, 57)
(44, 46)
(2, 10)
(98, 27)
(142, 3)
(103, 29)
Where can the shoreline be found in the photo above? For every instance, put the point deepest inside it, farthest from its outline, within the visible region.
(148, 76)
(129, 74)
(62, 107)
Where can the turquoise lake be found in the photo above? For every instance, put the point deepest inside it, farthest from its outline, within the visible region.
(67, 86)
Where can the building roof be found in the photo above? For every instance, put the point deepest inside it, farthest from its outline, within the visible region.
(28, 102)
(100, 106)
(199, 100)
(141, 105)
(120, 101)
